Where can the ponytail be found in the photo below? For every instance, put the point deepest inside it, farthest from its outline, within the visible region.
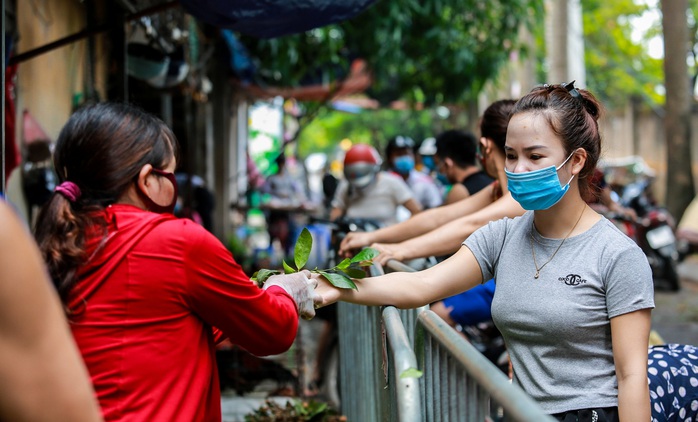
(60, 233)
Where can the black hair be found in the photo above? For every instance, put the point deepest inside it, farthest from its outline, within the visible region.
(460, 146)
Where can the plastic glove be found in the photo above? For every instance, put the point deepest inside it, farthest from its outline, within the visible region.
(301, 287)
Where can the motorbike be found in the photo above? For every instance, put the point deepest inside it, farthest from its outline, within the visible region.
(654, 230)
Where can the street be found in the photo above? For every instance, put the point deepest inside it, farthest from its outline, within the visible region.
(675, 317)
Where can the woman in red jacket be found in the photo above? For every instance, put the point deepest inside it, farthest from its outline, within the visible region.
(144, 290)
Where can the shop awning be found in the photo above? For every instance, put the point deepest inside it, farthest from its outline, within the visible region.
(273, 18)
(358, 80)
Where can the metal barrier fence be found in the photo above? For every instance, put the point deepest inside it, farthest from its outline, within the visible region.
(458, 383)
(405, 402)
(372, 341)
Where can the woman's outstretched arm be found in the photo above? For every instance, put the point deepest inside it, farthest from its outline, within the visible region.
(448, 238)
(419, 224)
(410, 290)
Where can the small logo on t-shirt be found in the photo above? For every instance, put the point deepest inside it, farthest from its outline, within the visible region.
(572, 279)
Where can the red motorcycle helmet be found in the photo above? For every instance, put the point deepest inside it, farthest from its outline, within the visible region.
(361, 164)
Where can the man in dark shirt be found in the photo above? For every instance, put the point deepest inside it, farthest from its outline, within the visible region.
(455, 159)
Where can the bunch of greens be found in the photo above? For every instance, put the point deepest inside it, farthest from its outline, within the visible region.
(295, 410)
(340, 276)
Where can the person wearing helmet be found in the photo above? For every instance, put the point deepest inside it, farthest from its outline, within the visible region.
(368, 192)
(400, 155)
(426, 152)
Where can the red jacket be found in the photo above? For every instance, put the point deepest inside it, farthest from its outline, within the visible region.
(143, 309)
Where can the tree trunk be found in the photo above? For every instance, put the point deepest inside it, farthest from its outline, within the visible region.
(677, 129)
(565, 42)
(557, 41)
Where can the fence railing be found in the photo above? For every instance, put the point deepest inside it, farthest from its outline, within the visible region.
(379, 347)
(372, 341)
(405, 403)
(460, 384)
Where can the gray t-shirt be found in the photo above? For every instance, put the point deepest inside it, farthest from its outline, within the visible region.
(557, 327)
(378, 201)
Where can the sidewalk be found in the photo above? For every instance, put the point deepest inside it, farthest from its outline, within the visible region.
(688, 269)
(675, 316)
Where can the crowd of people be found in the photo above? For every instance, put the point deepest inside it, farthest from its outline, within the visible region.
(146, 296)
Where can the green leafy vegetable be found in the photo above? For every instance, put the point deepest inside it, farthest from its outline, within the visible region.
(288, 269)
(366, 255)
(301, 251)
(338, 280)
(411, 373)
(355, 273)
(262, 275)
(340, 276)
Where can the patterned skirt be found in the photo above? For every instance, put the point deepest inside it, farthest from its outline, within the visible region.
(672, 372)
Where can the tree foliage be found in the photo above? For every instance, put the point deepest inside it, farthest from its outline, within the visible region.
(428, 51)
(374, 127)
(619, 68)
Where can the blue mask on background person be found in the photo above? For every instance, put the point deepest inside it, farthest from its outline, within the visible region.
(442, 179)
(403, 164)
(538, 189)
(428, 162)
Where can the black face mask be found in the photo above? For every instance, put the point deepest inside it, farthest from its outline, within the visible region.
(152, 205)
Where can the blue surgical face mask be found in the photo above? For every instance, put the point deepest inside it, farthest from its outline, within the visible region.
(403, 164)
(538, 189)
(428, 162)
(442, 179)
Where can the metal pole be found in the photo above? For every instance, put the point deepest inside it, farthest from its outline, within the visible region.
(2, 153)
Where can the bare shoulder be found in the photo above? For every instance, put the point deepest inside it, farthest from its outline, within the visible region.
(13, 233)
(7, 216)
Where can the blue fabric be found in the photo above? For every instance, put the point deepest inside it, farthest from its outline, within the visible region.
(240, 60)
(428, 162)
(472, 306)
(274, 18)
(404, 164)
(672, 371)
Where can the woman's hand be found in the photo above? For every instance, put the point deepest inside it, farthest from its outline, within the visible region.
(388, 251)
(326, 291)
(354, 241)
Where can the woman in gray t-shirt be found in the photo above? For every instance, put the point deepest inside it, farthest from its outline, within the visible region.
(574, 294)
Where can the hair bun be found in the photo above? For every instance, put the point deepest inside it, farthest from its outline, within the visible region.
(590, 104)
